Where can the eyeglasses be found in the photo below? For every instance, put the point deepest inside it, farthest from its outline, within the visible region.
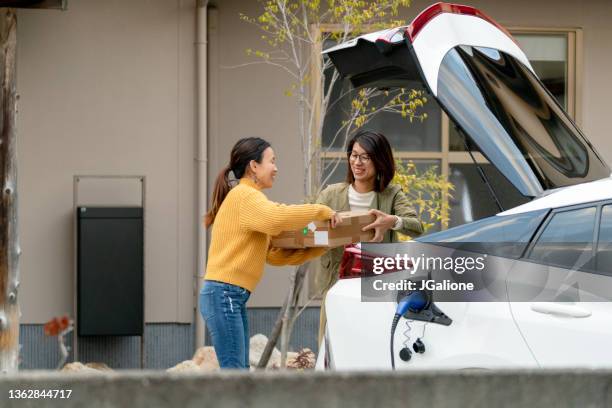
(364, 158)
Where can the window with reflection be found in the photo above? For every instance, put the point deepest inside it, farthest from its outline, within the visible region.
(567, 240)
(548, 55)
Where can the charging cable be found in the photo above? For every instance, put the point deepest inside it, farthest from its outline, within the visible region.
(415, 302)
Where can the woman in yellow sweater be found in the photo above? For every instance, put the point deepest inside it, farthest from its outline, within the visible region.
(243, 220)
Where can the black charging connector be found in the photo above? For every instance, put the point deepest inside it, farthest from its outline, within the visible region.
(416, 305)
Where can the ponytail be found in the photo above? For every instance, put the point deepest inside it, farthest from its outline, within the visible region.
(244, 151)
(222, 187)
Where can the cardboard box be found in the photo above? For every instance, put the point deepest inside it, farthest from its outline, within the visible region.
(320, 234)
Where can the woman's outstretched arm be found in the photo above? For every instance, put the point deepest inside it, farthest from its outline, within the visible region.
(257, 213)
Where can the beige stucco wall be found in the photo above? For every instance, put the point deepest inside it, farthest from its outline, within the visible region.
(107, 87)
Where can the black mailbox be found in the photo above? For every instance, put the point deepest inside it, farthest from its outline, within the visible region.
(110, 271)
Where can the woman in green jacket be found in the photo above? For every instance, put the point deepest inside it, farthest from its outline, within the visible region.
(367, 187)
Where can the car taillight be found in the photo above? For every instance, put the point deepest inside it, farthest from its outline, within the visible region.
(350, 265)
(435, 9)
(357, 263)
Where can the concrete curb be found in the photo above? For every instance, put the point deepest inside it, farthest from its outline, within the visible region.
(435, 389)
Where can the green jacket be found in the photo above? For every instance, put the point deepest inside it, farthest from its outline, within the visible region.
(390, 201)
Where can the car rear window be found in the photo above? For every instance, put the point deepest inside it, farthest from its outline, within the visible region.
(506, 236)
(567, 240)
(515, 121)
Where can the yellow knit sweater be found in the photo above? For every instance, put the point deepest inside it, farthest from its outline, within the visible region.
(240, 242)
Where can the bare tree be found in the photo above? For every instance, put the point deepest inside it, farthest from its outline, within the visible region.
(295, 31)
(9, 239)
(9, 231)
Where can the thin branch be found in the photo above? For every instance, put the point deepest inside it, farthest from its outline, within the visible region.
(246, 64)
(347, 132)
(289, 33)
(340, 98)
(304, 307)
(349, 122)
(302, 22)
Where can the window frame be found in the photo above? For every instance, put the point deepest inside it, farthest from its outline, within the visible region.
(598, 231)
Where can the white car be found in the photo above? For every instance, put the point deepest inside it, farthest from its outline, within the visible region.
(553, 307)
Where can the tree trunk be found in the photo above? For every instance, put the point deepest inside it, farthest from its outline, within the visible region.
(297, 281)
(285, 322)
(9, 242)
(286, 318)
(273, 339)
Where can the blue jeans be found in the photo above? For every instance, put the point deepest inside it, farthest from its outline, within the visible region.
(223, 307)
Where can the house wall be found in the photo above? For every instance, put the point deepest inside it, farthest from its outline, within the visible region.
(107, 88)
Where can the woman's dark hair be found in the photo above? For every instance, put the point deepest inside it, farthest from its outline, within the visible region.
(245, 150)
(378, 148)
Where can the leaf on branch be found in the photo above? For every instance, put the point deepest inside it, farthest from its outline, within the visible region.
(57, 325)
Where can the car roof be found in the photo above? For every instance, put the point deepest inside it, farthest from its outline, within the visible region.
(593, 191)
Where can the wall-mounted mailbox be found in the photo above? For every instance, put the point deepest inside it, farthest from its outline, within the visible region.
(110, 271)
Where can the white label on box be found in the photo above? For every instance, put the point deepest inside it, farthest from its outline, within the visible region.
(321, 238)
(312, 226)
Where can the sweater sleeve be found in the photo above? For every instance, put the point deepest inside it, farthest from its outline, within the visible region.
(411, 224)
(257, 213)
(283, 256)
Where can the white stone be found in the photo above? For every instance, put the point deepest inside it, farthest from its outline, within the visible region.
(206, 358)
(185, 366)
(80, 368)
(257, 346)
